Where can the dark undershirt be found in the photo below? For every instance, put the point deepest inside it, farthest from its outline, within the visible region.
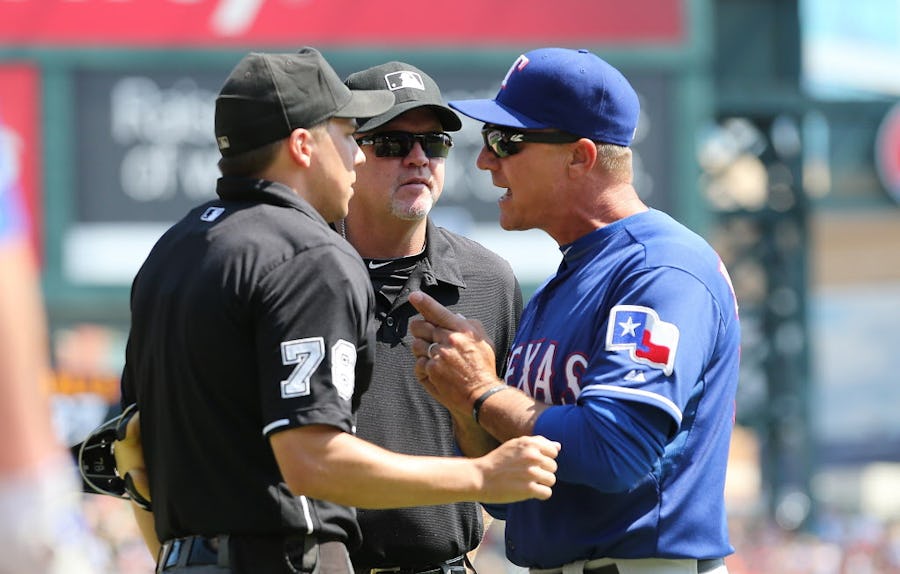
(388, 278)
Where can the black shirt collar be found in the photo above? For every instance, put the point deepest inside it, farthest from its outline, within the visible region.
(264, 191)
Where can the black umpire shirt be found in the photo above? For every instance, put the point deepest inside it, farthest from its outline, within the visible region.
(250, 316)
(398, 414)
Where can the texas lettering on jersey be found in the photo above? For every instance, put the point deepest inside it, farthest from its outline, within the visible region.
(530, 367)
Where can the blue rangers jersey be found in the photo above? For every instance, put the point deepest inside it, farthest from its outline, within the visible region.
(637, 339)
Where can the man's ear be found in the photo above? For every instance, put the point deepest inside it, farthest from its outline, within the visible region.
(301, 143)
(583, 157)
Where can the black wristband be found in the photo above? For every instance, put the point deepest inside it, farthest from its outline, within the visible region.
(476, 406)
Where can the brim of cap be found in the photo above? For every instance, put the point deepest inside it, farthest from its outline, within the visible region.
(366, 103)
(450, 122)
(492, 112)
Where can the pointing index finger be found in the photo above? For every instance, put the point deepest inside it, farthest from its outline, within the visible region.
(435, 313)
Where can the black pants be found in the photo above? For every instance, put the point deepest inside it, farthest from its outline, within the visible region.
(253, 555)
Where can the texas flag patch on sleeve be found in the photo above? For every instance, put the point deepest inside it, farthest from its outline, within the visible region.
(641, 332)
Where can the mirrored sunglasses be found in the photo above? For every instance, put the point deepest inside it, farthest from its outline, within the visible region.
(399, 144)
(504, 142)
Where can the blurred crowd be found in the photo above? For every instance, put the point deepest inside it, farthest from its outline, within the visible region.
(840, 544)
(118, 536)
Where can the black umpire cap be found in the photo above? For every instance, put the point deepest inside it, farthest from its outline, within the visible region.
(267, 96)
(412, 88)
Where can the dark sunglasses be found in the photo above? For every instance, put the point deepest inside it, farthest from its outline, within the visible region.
(504, 142)
(399, 144)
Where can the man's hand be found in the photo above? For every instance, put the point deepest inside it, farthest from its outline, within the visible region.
(518, 469)
(455, 359)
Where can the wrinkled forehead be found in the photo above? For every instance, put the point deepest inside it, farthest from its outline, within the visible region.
(418, 120)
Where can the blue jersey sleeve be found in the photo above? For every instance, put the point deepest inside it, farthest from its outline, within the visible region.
(609, 445)
(658, 335)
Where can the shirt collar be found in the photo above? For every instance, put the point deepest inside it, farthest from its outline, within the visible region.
(590, 243)
(264, 191)
(438, 249)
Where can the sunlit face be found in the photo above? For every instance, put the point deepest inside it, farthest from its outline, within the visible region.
(402, 187)
(528, 177)
(335, 160)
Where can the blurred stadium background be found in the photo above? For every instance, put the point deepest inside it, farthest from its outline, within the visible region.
(770, 126)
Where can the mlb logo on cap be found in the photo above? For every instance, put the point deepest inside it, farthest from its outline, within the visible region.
(412, 89)
(404, 79)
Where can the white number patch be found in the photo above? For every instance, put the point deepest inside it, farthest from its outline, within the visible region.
(343, 368)
(307, 354)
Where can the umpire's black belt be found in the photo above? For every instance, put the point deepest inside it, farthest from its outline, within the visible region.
(214, 551)
(702, 566)
(193, 551)
(454, 566)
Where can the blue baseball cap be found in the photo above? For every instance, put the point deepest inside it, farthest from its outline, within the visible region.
(558, 88)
